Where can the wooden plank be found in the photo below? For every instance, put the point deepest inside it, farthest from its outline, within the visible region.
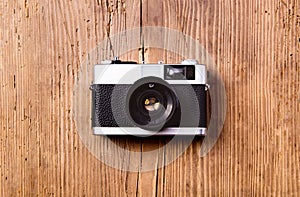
(42, 46)
(255, 47)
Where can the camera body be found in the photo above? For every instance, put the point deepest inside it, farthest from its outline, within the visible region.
(149, 99)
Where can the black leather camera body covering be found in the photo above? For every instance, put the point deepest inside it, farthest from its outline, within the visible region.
(110, 110)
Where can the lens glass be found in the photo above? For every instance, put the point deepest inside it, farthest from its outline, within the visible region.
(152, 104)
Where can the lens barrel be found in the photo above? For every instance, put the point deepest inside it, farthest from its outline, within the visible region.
(151, 103)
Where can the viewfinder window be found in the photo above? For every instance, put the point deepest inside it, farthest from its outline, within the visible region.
(179, 72)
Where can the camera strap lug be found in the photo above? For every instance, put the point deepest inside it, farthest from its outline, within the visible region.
(91, 87)
(207, 87)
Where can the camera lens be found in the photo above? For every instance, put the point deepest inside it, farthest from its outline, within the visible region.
(151, 103)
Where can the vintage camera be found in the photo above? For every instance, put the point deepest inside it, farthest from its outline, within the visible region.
(149, 99)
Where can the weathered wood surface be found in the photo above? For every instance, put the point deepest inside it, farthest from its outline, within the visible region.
(255, 45)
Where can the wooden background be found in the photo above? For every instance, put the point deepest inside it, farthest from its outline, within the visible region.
(255, 45)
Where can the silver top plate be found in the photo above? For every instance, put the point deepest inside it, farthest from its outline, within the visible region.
(130, 73)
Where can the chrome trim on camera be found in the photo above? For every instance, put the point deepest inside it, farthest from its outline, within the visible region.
(199, 131)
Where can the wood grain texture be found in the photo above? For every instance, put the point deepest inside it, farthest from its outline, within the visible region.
(255, 46)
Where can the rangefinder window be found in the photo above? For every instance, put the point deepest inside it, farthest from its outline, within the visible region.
(179, 72)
